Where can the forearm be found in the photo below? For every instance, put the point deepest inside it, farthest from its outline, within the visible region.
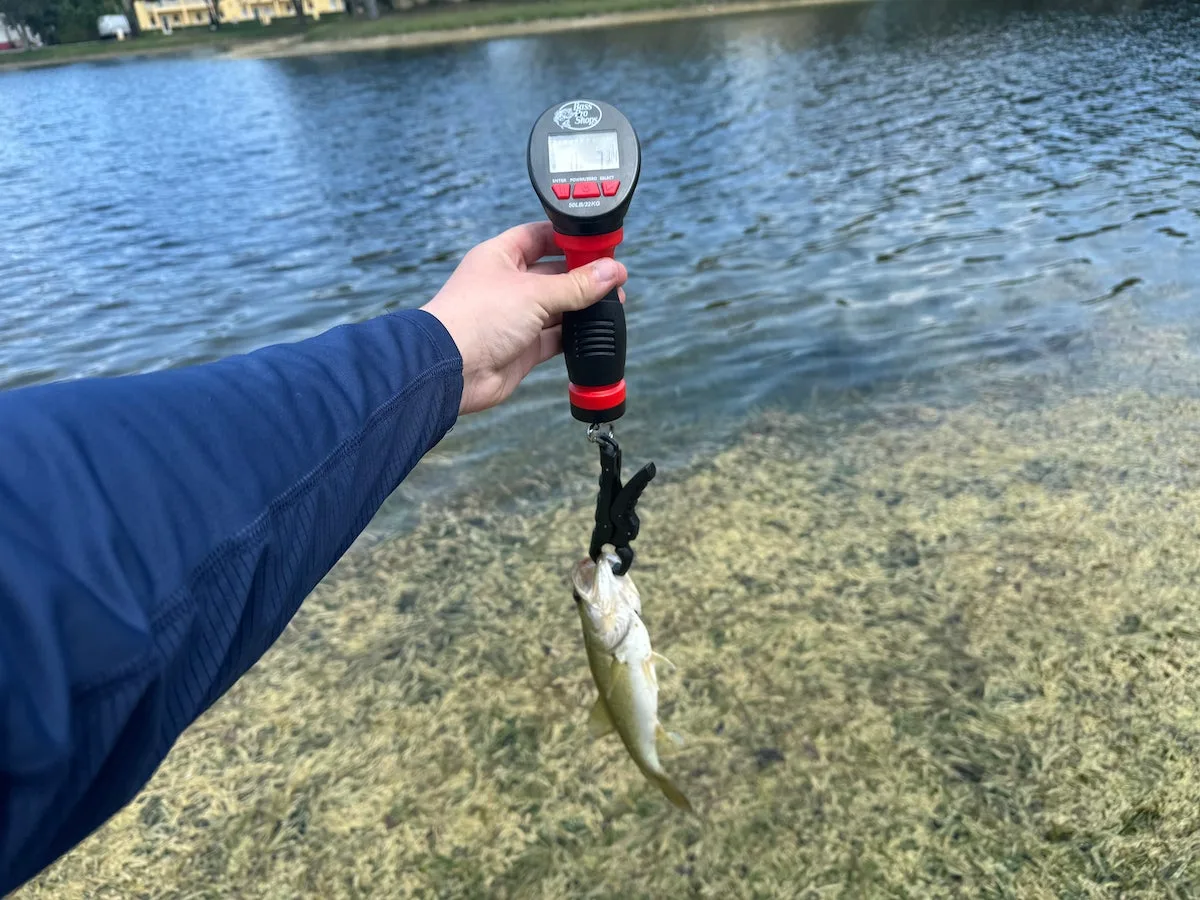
(158, 532)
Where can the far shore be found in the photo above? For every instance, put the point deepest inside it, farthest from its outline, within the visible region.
(397, 35)
(295, 46)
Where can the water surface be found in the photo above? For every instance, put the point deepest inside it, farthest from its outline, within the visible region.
(861, 198)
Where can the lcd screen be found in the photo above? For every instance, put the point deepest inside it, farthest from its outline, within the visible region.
(589, 152)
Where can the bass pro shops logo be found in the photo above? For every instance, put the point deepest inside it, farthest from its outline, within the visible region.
(578, 115)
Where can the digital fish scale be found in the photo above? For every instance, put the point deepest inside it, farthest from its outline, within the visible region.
(584, 160)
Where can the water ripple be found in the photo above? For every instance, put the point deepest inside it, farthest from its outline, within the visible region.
(828, 199)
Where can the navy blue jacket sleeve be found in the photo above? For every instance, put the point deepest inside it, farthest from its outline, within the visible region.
(157, 533)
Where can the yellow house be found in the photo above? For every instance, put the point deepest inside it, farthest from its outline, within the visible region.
(167, 15)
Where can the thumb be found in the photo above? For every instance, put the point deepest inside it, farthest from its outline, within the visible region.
(580, 287)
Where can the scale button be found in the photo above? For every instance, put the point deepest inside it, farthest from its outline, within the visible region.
(562, 191)
(609, 187)
(585, 189)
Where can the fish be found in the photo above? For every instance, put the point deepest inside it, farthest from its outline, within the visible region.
(622, 663)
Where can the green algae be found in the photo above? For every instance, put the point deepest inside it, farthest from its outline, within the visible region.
(933, 652)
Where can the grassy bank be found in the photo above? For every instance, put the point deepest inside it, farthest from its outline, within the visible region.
(932, 652)
(486, 15)
(430, 25)
(183, 41)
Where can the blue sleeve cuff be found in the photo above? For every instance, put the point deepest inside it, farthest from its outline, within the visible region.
(446, 349)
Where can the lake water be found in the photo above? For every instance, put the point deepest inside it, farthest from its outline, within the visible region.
(913, 336)
(859, 198)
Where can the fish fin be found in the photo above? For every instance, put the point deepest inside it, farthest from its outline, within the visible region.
(599, 721)
(674, 794)
(664, 737)
(614, 668)
(648, 671)
(659, 658)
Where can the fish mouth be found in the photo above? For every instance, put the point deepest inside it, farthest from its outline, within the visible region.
(583, 579)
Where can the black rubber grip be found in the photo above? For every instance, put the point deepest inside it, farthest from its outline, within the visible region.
(594, 343)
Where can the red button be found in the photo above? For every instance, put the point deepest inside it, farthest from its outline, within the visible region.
(562, 191)
(586, 189)
(609, 187)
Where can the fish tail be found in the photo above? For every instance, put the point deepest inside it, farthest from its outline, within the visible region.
(674, 794)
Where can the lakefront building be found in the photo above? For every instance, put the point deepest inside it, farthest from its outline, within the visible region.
(167, 15)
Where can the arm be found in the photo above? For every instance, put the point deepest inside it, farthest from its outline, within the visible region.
(158, 532)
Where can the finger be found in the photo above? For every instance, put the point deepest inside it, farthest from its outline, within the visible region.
(526, 244)
(553, 267)
(549, 344)
(580, 287)
(621, 294)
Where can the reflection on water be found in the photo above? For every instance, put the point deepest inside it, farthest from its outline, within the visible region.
(932, 615)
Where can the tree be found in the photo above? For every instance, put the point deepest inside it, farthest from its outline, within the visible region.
(135, 27)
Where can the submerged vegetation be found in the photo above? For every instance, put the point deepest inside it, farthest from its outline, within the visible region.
(931, 652)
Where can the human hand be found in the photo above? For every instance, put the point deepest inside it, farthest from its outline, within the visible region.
(503, 307)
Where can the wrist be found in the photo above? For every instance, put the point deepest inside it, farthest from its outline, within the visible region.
(454, 331)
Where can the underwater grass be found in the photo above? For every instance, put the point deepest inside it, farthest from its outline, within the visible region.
(931, 653)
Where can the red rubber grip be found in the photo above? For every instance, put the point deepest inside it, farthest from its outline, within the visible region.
(582, 250)
(595, 404)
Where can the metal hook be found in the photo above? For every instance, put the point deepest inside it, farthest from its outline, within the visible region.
(597, 431)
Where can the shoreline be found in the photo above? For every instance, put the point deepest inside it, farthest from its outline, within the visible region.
(195, 49)
(297, 45)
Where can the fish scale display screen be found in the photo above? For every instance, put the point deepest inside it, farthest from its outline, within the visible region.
(589, 152)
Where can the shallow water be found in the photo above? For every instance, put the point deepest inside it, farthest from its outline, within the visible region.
(941, 651)
(914, 346)
(870, 198)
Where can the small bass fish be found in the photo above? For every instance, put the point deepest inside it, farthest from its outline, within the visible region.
(622, 664)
